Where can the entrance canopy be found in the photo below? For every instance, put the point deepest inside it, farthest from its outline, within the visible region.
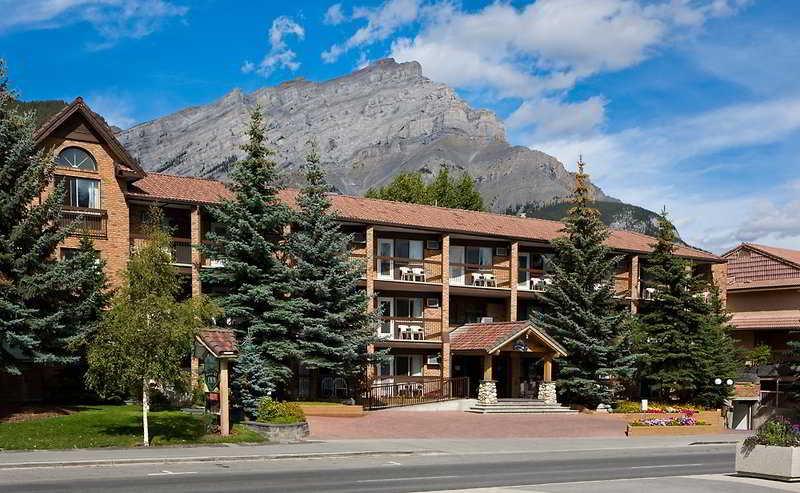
(493, 337)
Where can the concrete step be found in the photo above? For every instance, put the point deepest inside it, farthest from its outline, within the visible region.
(521, 410)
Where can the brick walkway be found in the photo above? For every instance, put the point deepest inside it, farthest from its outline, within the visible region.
(456, 424)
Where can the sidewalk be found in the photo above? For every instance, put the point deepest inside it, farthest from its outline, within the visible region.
(322, 449)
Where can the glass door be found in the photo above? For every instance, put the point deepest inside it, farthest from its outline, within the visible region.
(385, 265)
(457, 270)
(386, 307)
(524, 275)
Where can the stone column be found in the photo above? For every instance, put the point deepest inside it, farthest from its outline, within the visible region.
(547, 393)
(487, 392)
(512, 305)
(196, 239)
(634, 283)
(224, 399)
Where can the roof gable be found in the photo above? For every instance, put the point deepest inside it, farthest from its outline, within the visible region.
(491, 337)
(78, 119)
(753, 266)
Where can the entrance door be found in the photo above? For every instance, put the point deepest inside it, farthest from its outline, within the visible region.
(469, 366)
(385, 265)
(457, 271)
(386, 307)
(524, 274)
(501, 371)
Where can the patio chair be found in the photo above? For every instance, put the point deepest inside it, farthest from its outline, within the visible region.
(417, 333)
(478, 279)
(489, 280)
(406, 274)
(418, 274)
(405, 332)
(326, 387)
(340, 387)
(537, 283)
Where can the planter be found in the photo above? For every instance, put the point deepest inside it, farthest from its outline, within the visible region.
(713, 418)
(336, 411)
(647, 431)
(293, 432)
(763, 461)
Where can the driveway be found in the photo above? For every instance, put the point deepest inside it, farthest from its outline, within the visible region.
(457, 424)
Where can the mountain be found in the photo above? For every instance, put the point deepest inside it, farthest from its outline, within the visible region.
(42, 109)
(617, 215)
(370, 125)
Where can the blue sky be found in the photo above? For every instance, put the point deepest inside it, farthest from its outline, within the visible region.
(689, 104)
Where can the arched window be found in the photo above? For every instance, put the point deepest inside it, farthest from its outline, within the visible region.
(76, 158)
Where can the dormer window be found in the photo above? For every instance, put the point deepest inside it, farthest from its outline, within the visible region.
(76, 158)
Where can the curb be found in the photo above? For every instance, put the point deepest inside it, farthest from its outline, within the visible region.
(178, 460)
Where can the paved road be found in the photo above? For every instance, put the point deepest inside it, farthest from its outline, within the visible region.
(424, 472)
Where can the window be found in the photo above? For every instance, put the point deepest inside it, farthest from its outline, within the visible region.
(408, 249)
(408, 307)
(68, 253)
(409, 365)
(80, 192)
(479, 256)
(76, 158)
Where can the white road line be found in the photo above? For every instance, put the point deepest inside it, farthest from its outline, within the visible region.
(170, 473)
(417, 478)
(666, 465)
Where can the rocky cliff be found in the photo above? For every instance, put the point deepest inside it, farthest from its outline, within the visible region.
(370, 125)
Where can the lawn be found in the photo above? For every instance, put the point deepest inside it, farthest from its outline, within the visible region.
(113, 426)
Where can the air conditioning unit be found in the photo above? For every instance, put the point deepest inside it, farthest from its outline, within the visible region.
(434, 359)
(432, 302)
(360, 238)
(501, 252)
(433, 245)
(487, 320)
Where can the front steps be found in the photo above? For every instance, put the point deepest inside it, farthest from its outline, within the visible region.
(520, 406)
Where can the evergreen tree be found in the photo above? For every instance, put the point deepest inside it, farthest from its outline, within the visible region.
(333, 326)
(145, 336)
(443, 191)
(254, 276)
(580, 310)
(38, 317)
(683, 334)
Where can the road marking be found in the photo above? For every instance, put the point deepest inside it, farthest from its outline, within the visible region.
(667, 465)
(170, 473)
(393, 463)
(416, 478)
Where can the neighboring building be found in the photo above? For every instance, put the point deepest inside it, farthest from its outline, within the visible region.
(764, 300)
(449, 284)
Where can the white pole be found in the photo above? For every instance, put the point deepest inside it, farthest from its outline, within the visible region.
(145, 410)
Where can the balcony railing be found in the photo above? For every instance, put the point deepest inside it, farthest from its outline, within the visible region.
(93, 222)
(410, 329)
(415, 391)
(408, 269)
(480, 275)
(180, 252)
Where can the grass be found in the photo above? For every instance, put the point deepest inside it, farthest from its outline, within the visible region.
(113, 426)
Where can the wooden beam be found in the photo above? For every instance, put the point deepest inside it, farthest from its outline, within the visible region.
(224, 399)
(547, 374)
(487, 367)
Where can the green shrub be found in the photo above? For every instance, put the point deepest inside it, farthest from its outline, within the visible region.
(270, 411)
(777, 432)
(627, 407)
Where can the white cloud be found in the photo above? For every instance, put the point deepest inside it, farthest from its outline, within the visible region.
(279, 55)
(334, 15)
(117, 108)
(552, 118)
(112, 19)
(382, 22)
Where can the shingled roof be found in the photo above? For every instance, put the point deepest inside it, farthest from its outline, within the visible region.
(491, 336)
(767, 319)
(220, 342)
(164, 187)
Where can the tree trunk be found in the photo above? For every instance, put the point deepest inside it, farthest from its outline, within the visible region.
(145, 410)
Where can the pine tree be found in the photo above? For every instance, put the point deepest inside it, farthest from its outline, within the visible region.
(38, 318)
(147, 333)
(580, 310)
(405, 187)
(683, 334)
(254, 276)
(333, 326)
(443, 191)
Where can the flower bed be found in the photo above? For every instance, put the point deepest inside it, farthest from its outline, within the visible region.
(671, 421)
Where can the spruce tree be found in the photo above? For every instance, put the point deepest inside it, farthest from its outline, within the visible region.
(683, 335)
(580, 310)
(333, 326)
(254, 277)
(442, 191)
(38, 315)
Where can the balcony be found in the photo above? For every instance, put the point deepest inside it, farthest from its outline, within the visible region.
(180, 253)
(410, 329)
(408, 270)
(477, 275)
(92, 222)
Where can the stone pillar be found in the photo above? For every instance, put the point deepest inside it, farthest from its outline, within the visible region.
(224, 399)
(196, 239)
(516, 370)
(487, 392)
(512, 305)
(547, 393)
(634, 283)
(719, 275)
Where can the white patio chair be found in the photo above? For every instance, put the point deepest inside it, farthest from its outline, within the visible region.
(418, 274)
(548, 280)
(478, 279)
(406, 274)
(417, 333)
(405, 332)
(340, 387)
(489, 280)
(537, 283)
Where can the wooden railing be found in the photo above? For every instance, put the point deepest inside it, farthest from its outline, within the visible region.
(431, 328)
(502, 275)
(383, 396)
(93, 222)
(431, 269)
(181, 251)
